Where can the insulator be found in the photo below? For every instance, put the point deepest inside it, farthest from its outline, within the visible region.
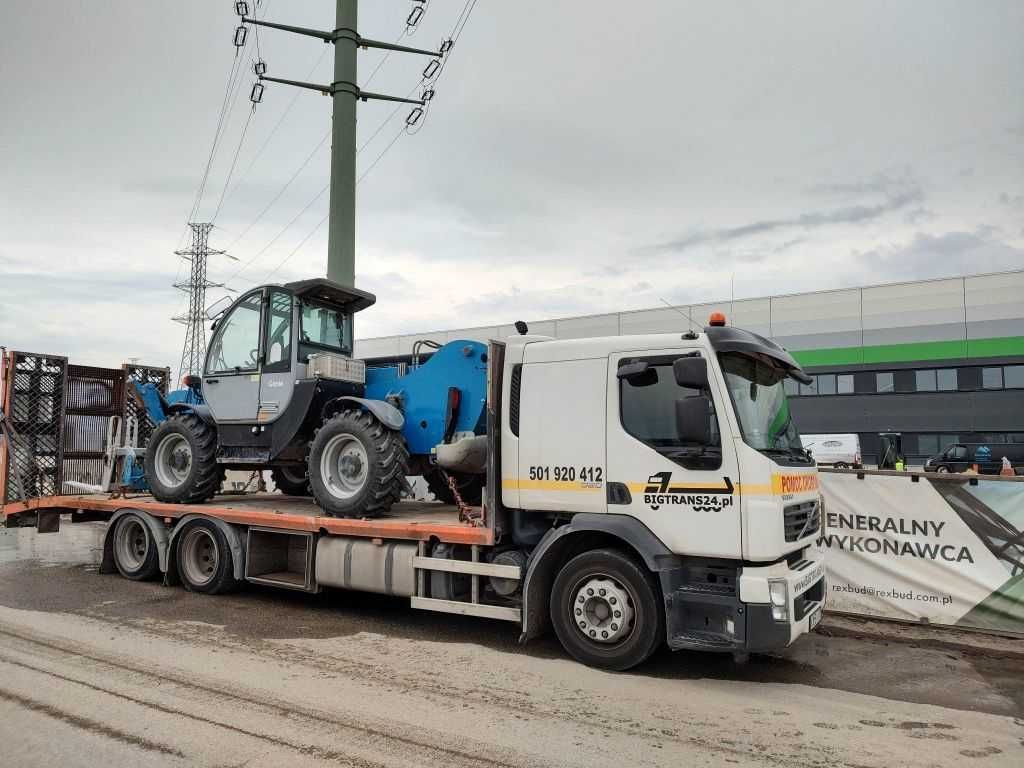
(242, 8)
(427, 95)
(260, 68)
(256, 96)
(446, 46)
(414, 16)
(240, 34)
(414, 116)
(431, 69)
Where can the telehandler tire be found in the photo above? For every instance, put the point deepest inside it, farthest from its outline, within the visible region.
(291, 481)
(181, 461)
(357, 466)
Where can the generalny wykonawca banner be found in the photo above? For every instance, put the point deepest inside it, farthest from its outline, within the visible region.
(946, 549)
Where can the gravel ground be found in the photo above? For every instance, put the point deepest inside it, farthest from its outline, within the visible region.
(95, 669)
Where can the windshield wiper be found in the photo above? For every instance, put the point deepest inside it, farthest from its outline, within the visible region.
(797, 453)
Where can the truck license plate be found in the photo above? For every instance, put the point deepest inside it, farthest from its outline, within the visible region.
(814, 619)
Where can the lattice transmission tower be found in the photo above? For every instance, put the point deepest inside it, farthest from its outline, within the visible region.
(194, 351)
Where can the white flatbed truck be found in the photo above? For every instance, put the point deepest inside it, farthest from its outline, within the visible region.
(640, 490)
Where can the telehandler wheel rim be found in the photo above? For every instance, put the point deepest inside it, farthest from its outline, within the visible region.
(200, 556)
(344, 466)
(602, 609)
(173, 461)
(131, 544)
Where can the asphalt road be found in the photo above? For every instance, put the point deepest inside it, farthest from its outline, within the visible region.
(98, 670)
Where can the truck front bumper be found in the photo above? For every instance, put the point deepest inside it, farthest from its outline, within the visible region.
(764, 608)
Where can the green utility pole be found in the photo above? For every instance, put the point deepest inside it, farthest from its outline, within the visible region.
(341, 237)
(345, 94)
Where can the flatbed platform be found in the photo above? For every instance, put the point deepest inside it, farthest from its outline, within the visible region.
(411, 520)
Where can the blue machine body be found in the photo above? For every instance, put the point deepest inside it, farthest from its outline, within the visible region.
(157, 404)
(424, 394)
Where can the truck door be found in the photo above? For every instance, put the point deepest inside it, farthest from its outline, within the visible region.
(687, 496)
(277, 382)
(231, 384)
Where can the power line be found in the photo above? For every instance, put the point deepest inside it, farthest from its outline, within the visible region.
(281, 191)
(234, 160)
(457, 29)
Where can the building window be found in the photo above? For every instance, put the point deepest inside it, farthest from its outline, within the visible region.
(992, 378)
(844, 383)
(1013, 377)
(884, 382)
(925, 380)
(947, 440)
(810, 389)
(791, 386)
(928, 445)
(827, 384)
(946, 378)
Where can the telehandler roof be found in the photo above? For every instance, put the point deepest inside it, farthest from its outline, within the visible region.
(330, 292)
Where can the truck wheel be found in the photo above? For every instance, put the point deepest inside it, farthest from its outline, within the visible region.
(357, 465)
(291, 481)
(471, 487)
(135, 552)
(606, 610)
(181, 460)
(204, 558)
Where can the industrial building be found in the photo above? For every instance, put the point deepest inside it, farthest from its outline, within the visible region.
(938, 361)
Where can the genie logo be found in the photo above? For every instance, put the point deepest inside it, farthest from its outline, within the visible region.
(660, 491)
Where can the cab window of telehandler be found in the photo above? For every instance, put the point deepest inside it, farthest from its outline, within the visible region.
(279, 333)
(326, 328)
(236, 344)
(647, 405)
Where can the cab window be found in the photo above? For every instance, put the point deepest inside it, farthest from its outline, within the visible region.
(236, 344)
(647, 404)
(279, 332)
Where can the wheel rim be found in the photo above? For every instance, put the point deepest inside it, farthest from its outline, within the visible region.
(344, 466)
(131, 544)
(200, 557)
(941, 469)
(602, 609)
(173, 461)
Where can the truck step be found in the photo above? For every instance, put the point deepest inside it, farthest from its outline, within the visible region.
(468, 609)
(707, 641)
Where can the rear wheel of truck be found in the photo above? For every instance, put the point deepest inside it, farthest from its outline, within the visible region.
(135, 552)
(606, 610)
(181, 460)
(470, 487)
(204, 558)
(291, 481)
(357, 466)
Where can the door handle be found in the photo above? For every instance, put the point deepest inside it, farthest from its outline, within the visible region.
(212, 381)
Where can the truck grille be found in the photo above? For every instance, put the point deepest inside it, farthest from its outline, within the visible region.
(800, 520)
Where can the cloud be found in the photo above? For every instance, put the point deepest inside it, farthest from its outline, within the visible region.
(813, 220)
(951, 253)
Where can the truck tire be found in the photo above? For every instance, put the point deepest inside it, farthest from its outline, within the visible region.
(181, 461)
(357, 466)
(606, 610)
(203, 557)
(135, 552)
(471, 487)
(291, 481)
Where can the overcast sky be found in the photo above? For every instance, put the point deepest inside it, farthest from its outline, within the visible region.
(579, 157)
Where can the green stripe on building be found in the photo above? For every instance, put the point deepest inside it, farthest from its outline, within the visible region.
(913, 352)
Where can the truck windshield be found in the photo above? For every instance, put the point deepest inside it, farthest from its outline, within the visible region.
(759, 397)
(326, 327)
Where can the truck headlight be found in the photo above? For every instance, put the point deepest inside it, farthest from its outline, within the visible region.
(779, 593)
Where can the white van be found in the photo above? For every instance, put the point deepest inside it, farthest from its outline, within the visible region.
(841, 451)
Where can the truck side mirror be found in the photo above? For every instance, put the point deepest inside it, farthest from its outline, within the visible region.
(691, 372)
(692, 419)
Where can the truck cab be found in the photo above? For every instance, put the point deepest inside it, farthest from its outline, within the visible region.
(683, 444)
